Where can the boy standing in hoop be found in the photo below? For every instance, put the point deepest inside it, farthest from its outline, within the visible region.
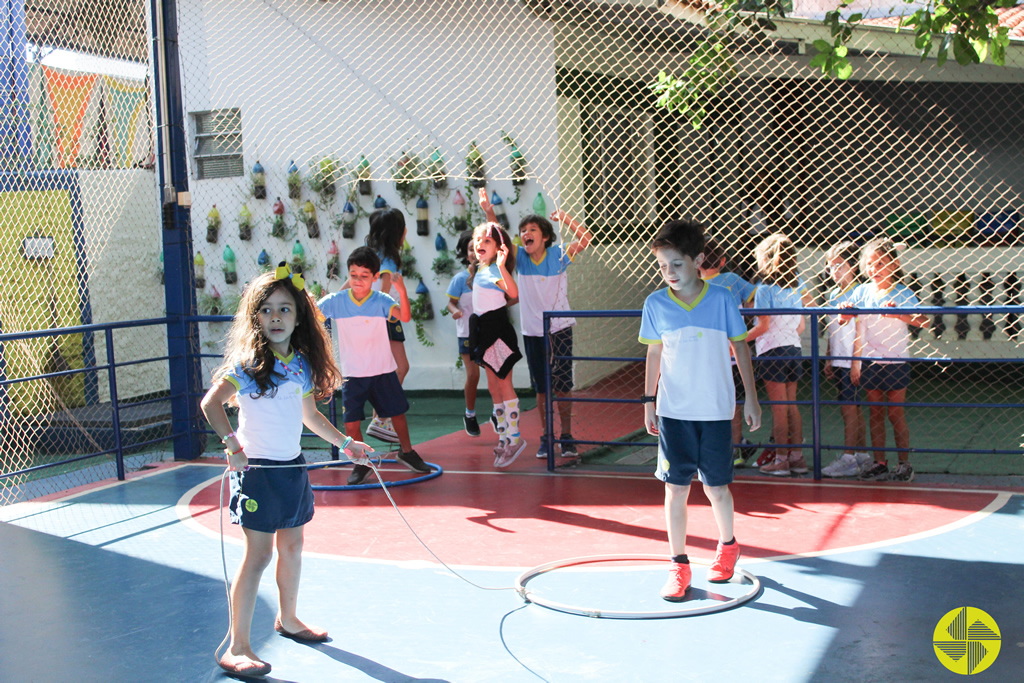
(688, 328)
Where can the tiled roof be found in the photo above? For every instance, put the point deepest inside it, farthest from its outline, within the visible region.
(1010, 17)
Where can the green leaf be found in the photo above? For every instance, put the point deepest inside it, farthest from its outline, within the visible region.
(819, 60)
(822, 46)
(840, 51)
(981, 49)
(844, 70)
(854, 18)
(962, 50)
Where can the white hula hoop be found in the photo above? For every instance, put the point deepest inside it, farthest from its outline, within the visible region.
(529, 596)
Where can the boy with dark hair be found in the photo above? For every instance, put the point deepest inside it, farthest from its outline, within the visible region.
(367, 363)
(688, 328)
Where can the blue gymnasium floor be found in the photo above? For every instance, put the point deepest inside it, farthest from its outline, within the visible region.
(119, 583)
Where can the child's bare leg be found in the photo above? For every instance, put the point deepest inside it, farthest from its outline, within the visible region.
(564, 412)
(780, 417)
(675, 517)
(796, 421)
(877, 421)
(737, 424)
(289, 570)
(472, 380)
(401, 360)
(853, 427)
(402, 429)
(722, 509)
(353, 429)
(259, 549)
(898, 418)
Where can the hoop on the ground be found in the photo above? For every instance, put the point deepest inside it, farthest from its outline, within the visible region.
(437, 472)
(528, 596)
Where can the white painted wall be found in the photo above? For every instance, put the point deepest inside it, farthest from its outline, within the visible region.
(348, 78)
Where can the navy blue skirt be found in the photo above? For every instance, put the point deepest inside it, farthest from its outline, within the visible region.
(271, 497)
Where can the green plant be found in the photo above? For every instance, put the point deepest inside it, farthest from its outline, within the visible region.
(443, 266)
(409, 264)
(321, 179)
(421, 312)
(408, 177)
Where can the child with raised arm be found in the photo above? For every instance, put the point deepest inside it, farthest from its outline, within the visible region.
(779, 336)
(689, 394)
(842, 261)
(743, 292)
(276, 366)
(542, 269)
(460, 305)
(883, 341)
(492, 339)
(362, 316)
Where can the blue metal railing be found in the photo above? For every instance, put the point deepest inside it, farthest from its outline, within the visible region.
(111, 365)
(816, 401)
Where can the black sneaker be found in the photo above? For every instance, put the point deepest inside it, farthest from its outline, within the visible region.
(903, 472)
(472, 426)
(413, 461)
(568, 449)
(494, 423)
(359, 474)
(879, 471)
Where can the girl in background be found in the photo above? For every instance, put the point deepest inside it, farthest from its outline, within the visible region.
(779, 336)
(460, 305)
(492, 338)
(883, 341)
(842, 262)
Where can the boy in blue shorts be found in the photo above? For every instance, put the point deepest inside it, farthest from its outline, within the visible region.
(361, 316)
(689, 395)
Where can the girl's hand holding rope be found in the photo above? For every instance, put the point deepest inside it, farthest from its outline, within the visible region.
(357, 452)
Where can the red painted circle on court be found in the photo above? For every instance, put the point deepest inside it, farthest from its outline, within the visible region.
(524, 518)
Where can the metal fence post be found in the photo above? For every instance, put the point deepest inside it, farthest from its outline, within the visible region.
(108, 336)
(549, 417)
(815, 397)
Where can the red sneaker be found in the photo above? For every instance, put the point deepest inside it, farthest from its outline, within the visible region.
(724, 566)
(678, 583)
(767, 456)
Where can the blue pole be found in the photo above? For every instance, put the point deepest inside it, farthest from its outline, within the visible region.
(815, 397)
(115, 412)
(179, 279)
(15, 130)
(549, 417)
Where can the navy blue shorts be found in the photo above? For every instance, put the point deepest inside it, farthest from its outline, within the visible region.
(384, 392)
(561, 370)
(780, 370)
(395, 332)
(689, 447)
(884, 376)
(265, 499)
(845, 389)
(464, 348)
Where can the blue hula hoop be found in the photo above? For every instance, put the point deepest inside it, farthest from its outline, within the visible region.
(438, 471)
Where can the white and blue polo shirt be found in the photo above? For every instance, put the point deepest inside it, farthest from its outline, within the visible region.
(884, 337)
(487, 295)
(696, 374)
(841, 337)
(270, 426)
(362, 332)
(782, 329)
(461, 294)
(543, 286)
(740, 289)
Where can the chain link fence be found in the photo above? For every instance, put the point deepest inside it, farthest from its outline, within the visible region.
(302, 116)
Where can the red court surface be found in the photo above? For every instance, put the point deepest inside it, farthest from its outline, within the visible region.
(474, 515)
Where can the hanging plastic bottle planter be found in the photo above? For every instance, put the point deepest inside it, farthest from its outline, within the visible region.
(380, 203)
(298, 260)
(199, 267)
(213, 225)
(230, 266)
(309, 218)
(475, 166)
(423, 294)
(348, 220)
(244, 224)
(258, 179)
(333, 262)
(499, 210)
(278, 228)
(459, 220)
(363, 176)
(540, 207)
(422, 217)
(263, 261)
(436, 170)
(516, 160)
(294, 181)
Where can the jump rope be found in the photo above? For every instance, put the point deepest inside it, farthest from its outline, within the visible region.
(384, 486)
